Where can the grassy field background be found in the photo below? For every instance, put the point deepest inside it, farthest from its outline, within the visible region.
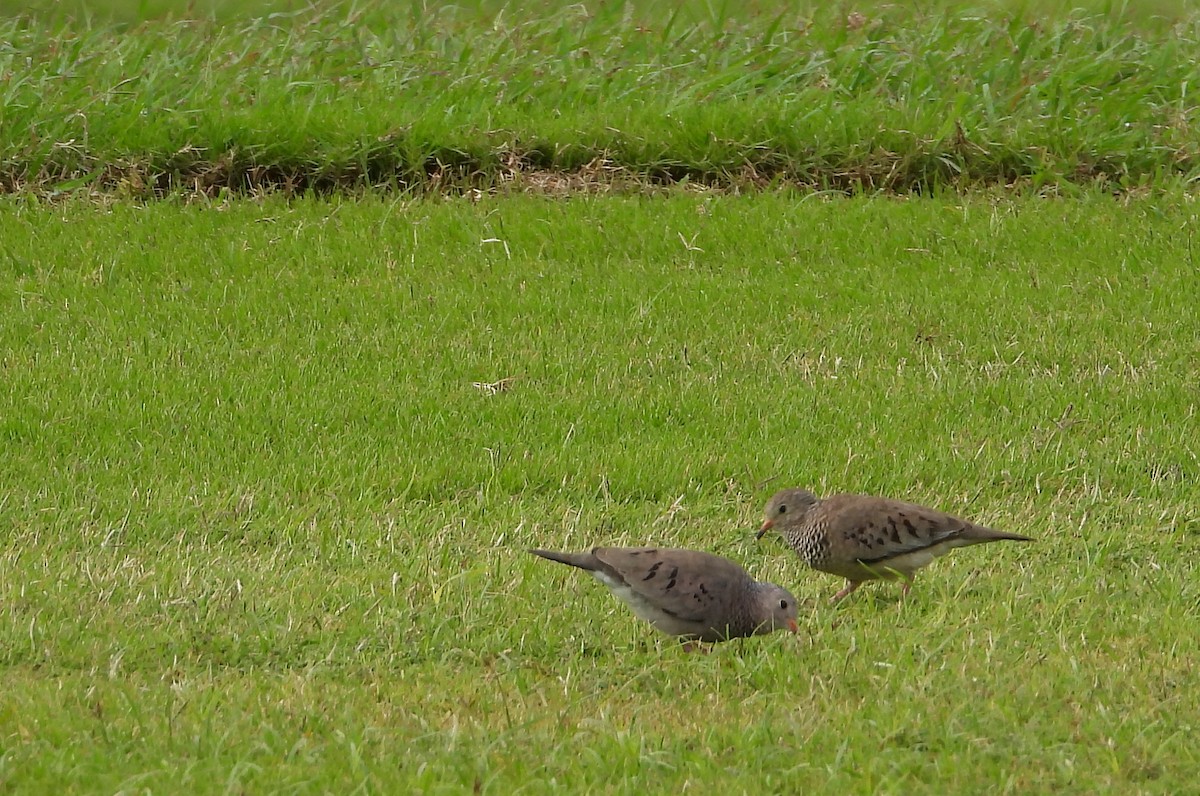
(135, 11)
(443, 97)
(314, 318)
(264, 532)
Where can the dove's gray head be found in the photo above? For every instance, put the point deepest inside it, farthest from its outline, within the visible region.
(787, 507)
(776, 609)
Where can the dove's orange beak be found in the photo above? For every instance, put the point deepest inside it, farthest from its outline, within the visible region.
(766, 526)
(793, 626)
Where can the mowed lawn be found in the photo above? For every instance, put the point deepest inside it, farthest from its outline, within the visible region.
(270, 470)
(427, 97)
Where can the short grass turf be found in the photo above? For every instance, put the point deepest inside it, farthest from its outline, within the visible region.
(267, 496)
(437, 97)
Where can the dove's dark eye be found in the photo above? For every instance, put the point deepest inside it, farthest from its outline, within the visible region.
(783, 509)
(783, 604)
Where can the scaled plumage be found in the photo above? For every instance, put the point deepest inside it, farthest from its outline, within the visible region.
(863, 538)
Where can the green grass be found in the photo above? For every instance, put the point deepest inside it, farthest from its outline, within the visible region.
(486, 95)
(126, 12)
(262, 532)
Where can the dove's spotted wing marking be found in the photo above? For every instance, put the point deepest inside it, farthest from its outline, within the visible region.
(687, 593)
(685, 584)
(865, 538)
(874, 530)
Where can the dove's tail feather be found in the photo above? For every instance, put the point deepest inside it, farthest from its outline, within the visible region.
(979, 533)
(582, 560)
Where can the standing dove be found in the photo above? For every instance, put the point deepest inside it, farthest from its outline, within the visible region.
(863, 538)
(695, 596)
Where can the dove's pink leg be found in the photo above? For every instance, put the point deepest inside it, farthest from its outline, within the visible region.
(851, 585)
(906, 588)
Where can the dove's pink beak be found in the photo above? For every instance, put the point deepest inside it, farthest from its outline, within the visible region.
(766, 526)
(793, 626)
